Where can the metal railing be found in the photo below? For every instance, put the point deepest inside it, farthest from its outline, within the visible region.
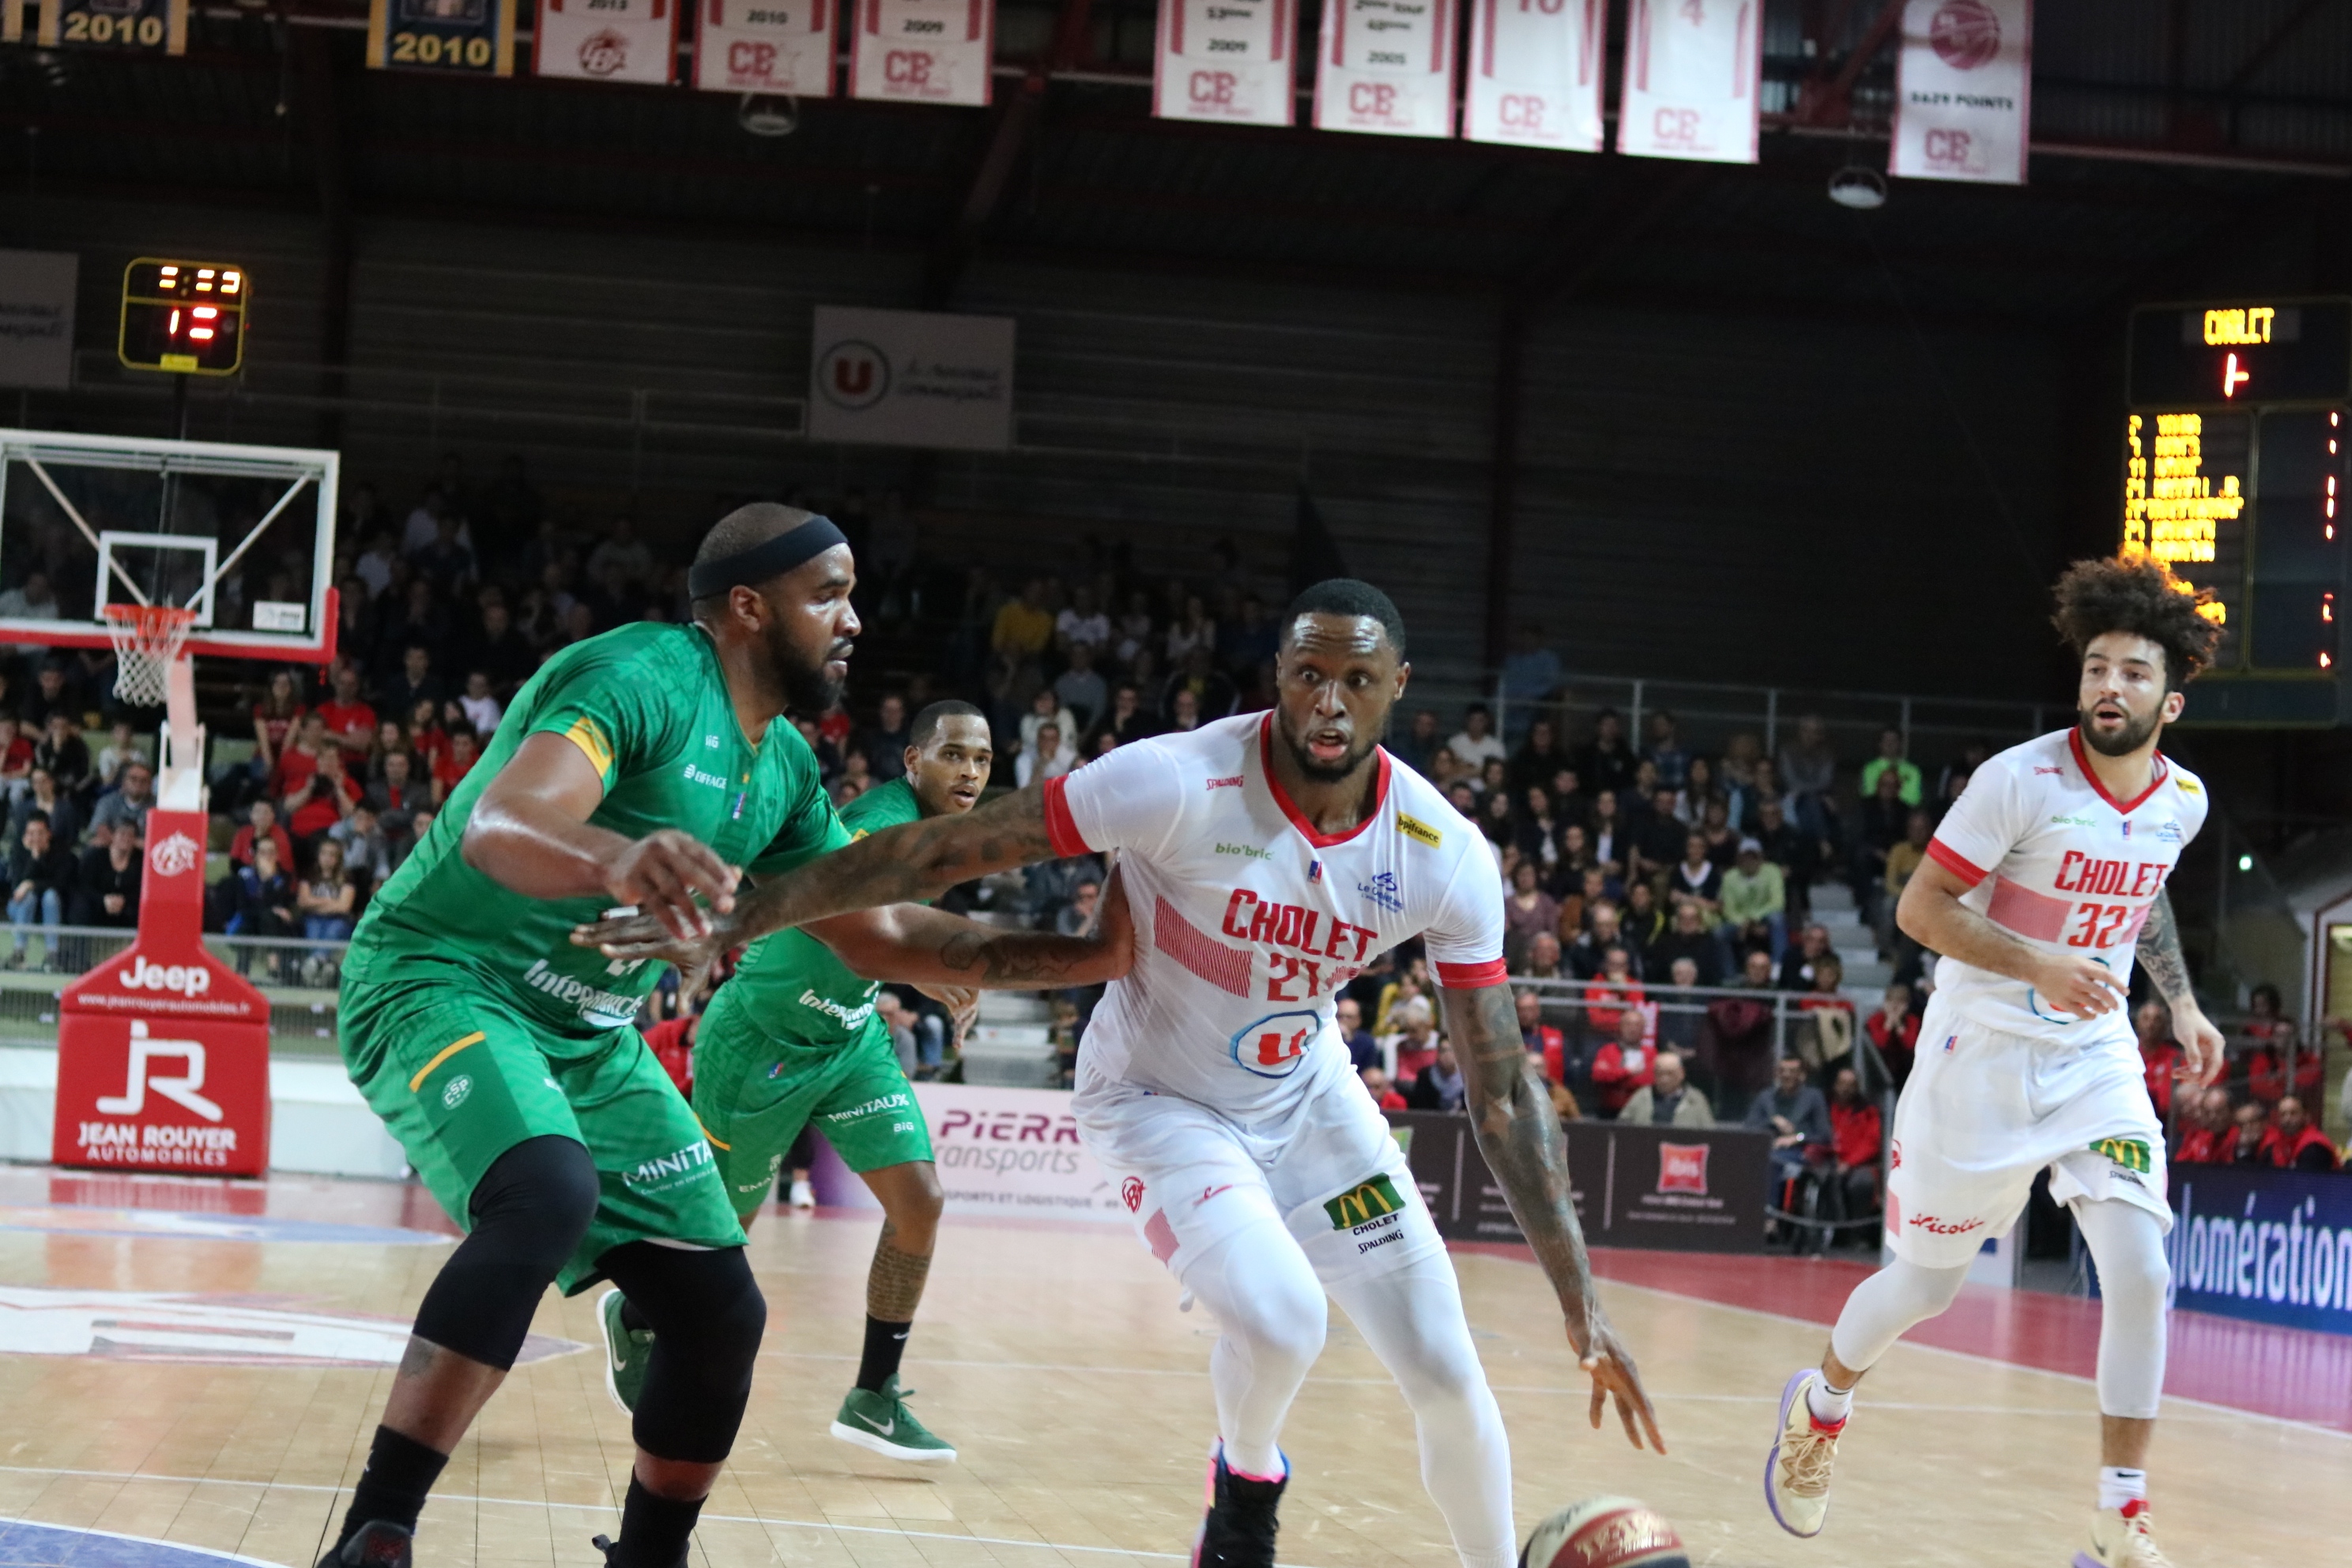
(297, 976)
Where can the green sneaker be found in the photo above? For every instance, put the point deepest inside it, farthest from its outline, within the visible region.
(882, 1423)
(626, 1352)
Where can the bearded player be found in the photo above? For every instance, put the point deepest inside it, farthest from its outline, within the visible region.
(1268, 858)
(641, 767)
(793, 1038)
(2041, 889)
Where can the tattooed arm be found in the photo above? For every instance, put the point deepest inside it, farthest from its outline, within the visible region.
(908, 864)
(2160, 959)
(1520, 1134)
(909, 943)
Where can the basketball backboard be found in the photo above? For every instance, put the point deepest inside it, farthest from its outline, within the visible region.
(244, 536)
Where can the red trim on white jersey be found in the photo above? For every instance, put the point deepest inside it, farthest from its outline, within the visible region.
(1315, 835)
(2158, 771)
(1069, 843)
(1941, 853)
(1470, 976)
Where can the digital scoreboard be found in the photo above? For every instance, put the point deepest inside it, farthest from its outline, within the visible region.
(2235, 461)
(183, 316)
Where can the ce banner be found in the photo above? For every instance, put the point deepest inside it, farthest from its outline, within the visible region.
(1387, 68)
(765, 45)
(1963, 84)
(922, 51)
(1230, 60)
(1534, 73)
(1691, 70)
(606, 40)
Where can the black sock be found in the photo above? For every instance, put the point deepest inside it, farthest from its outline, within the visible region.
(652, 1530)
(633, 1320)
(885, 1343)
(400, 1471)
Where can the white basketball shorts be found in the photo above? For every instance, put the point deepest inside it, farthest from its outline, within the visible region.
(1328, 1168)
(1984, 1111)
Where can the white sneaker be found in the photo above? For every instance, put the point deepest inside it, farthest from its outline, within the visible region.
(1797, 1471)
(2123, 1538)
(803, 1195)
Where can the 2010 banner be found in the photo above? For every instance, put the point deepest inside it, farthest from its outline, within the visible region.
(764, 46)
(1691, 70)
(1534, 73)
(1963, 84)
(477, 37)
(1232, 60)
(922, 51)
(617, 40)
(1387, 68)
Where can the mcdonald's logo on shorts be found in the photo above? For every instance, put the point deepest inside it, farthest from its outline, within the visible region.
(2130, 1153)
(1363, 1203)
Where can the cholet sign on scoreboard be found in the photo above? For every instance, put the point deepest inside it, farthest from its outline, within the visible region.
(163, 1051)
(2236, 453)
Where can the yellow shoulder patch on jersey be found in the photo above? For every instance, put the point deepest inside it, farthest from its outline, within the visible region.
(589, 736)
(2189, 786)
(1414, 827)
(861, 833)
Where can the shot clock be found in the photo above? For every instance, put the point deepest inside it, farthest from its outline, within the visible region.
(2235, 469)
(183, 316)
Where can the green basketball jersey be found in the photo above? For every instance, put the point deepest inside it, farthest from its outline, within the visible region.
(648, 706)
(790, 983)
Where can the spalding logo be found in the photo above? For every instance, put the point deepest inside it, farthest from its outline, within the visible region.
(171, 856)
(188, 980)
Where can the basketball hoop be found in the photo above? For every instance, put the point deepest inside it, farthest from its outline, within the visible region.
(147, 639)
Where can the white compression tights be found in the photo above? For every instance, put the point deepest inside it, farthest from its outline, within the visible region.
(2127, 1244)
(1271, 1307)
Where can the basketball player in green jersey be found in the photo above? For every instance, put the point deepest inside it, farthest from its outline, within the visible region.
(793, 1038)
(642, 768)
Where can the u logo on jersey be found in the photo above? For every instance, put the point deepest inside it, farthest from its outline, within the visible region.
(1276, 1044)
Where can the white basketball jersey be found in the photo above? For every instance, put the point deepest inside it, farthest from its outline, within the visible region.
(2057, 862)
(1248, 921)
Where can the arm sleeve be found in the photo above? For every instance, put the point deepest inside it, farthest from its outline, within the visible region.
(1131, 799)
(1464, 938)
(611, 710)
(1983, 825)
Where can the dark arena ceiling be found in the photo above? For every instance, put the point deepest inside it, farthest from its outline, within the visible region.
(2178, 143)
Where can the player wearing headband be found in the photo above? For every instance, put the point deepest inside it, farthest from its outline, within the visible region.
(645, 767)
(1266, 859)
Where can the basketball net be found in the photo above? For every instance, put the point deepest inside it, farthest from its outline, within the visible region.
(150, 670)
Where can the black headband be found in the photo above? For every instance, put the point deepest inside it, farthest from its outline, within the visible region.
(789, 549)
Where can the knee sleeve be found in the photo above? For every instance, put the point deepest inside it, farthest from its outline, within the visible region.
(1264, 1294)
(529, 1211)
(1886, 1304)
(2127, 1244)
(708, 1315)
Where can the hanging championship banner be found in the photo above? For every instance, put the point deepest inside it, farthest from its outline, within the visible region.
(606, 40)
(922, 51)
(765, 45)
(1691, 68)
(159, 26)
(472, 36)
(11, 21)
(1226, 60)
(1962, 85)
(1534, 73)
(1387, 68)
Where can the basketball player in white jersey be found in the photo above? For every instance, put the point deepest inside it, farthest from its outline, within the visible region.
(2042, 888)
(1268, 858)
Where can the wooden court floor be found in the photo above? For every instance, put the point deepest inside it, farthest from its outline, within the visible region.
(180, 1367)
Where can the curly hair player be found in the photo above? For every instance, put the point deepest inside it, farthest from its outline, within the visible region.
(1213, 1085)
(2042, 888)
(643, 766)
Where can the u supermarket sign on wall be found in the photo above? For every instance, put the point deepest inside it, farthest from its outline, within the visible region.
(911, 378)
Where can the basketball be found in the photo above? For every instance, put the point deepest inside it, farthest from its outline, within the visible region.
(1605, 1532)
